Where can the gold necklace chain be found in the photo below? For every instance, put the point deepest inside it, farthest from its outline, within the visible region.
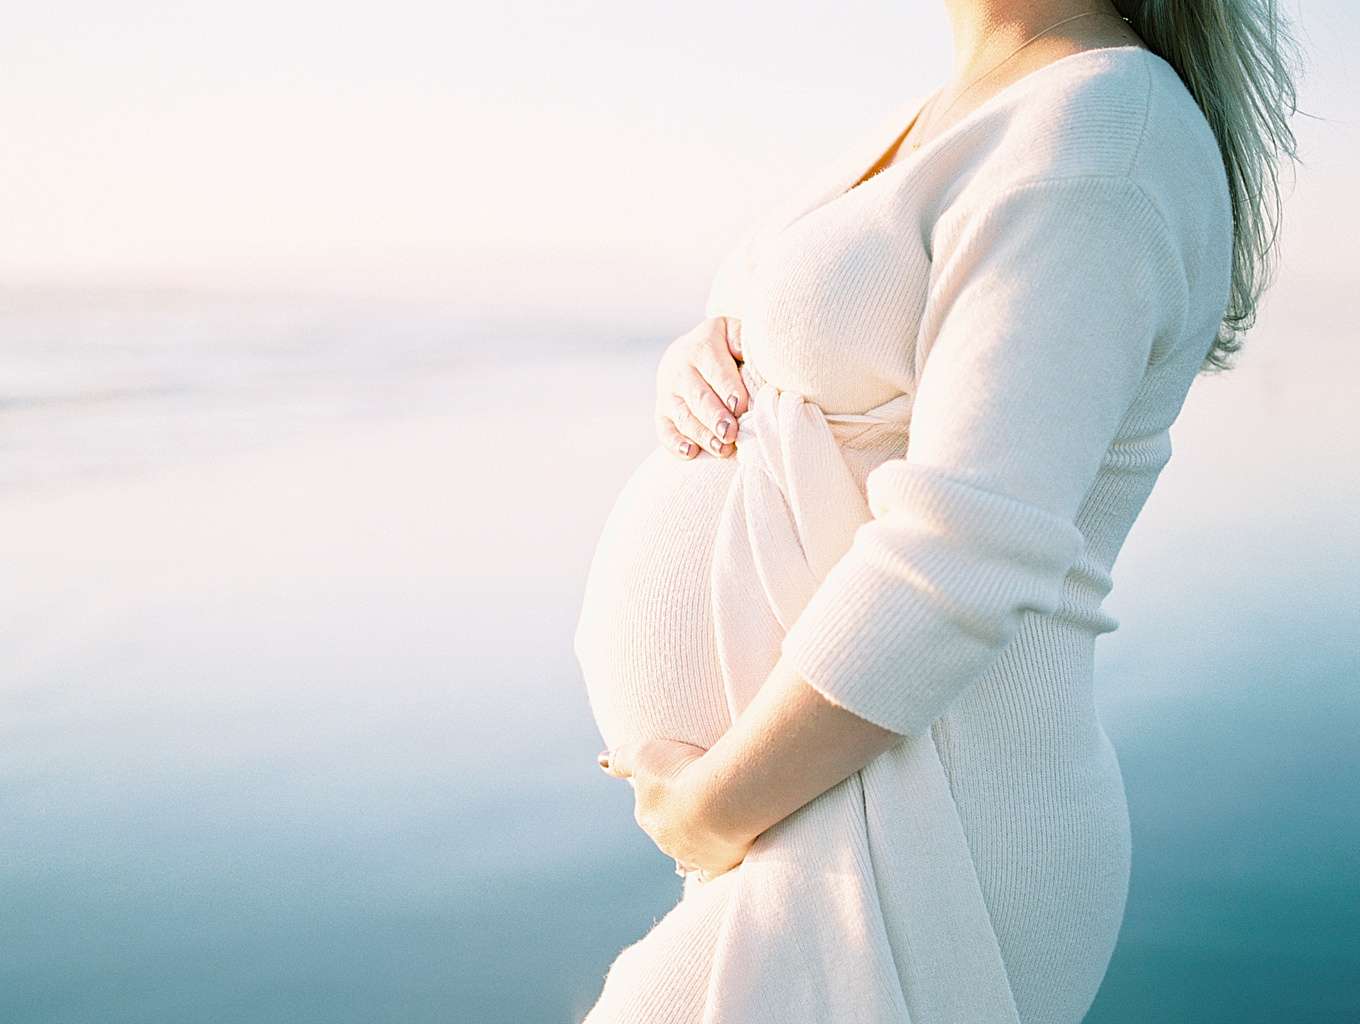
(969, 85)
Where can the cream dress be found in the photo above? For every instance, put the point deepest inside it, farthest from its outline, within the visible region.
(930, 547)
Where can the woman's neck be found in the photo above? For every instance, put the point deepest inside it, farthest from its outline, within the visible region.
(985, 31)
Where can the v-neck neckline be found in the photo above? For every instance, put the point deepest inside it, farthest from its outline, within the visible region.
(845, 184)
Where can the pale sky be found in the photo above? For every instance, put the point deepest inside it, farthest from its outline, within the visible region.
(529, 152)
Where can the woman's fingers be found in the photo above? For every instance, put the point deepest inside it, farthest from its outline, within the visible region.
(681, 413)
(717, 419)
(714, 363)
(673, 440)
(733, 333)
(700, 392)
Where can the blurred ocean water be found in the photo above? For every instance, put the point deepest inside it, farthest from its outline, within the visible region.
(107, 383)
(290, 728)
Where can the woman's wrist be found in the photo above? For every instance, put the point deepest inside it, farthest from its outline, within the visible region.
(712, 807)
(789, 745)
(739, 792)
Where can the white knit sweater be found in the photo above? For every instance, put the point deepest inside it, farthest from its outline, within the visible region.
(1079, 252)
(993, 337)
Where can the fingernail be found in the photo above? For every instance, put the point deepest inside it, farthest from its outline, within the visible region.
(723, 427)
(603, 758)
(732, 402)
(684, 448)
(716, 446)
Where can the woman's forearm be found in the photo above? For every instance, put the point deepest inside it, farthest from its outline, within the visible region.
(788, 746)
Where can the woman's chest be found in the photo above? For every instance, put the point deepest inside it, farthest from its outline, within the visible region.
(832, 300)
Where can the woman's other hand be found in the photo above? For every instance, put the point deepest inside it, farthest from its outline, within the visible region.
(669, 787)
(699, 390)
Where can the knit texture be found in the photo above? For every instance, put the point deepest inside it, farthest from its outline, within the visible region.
(975, 526)
(965, 370)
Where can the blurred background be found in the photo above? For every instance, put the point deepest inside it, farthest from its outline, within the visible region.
(327, 334)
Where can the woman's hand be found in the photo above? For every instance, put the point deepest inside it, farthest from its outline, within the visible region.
(667, 791)
(699, 390)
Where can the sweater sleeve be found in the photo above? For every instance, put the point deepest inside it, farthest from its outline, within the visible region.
(1048, 300)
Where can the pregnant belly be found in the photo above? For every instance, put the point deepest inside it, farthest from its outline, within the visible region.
(644, 638)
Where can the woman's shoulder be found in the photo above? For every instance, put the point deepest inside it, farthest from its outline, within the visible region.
(1122, 115)
(1121, 112)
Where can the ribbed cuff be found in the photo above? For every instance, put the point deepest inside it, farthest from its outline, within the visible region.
(928, 595)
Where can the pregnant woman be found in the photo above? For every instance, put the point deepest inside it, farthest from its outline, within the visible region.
(839, 632)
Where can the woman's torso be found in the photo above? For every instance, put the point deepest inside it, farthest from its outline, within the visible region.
(831, 291)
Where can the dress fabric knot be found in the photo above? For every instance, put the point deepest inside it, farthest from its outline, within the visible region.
(864, 905)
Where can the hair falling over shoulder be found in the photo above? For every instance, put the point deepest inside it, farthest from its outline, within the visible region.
(1240, 61)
